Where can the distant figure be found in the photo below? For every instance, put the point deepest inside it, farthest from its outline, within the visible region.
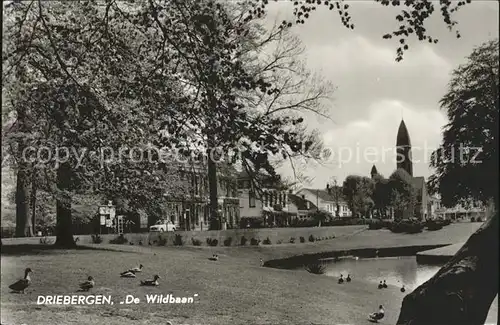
(403, 288)
(261, 262)
(380, 285)
(384, 285)
(348, 279)
(375, 317)
(341, 280)
(376, 253)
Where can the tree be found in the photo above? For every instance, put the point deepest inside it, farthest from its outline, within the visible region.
(463, 290)
(403, 198)
(381, 195)
(467, 159)
(358, 191)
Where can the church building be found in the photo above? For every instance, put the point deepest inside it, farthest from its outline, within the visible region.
(423, 207)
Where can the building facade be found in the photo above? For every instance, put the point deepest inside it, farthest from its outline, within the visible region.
(191, 212)
(326, 200)
(271, 201)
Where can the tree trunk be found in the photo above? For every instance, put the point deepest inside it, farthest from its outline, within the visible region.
(22, 203)
(463, 290)
(33, 200)
(215, 222)
(64, 225)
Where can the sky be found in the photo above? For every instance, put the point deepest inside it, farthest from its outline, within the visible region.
(374, 92)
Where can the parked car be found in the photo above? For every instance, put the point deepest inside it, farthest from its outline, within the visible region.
(163, 225)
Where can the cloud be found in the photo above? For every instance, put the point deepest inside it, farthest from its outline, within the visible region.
(359, 144)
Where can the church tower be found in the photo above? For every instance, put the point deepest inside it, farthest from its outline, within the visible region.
(403, 149)
(374, 171)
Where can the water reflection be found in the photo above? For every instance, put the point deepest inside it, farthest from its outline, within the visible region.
(395, 270)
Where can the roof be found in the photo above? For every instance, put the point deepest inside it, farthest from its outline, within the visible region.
(403, 137)
(301, 203)
(374, 170)
(324, 195)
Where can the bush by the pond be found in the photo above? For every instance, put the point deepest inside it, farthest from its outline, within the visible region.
(212, 242)
(254, 242)
(311, 238)
(196, 242)
(433, 225)
(375, 224)
(140, 242)
(407, 226)
(266, 241)
(479, 219)
(243, 241)
(316, 268)
(178, 240)
(96, 239)
(228, 241)
(472, 219)
(292, 240)
(302, 239)
(120, 240)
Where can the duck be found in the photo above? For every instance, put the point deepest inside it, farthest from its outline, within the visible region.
(22, 284)
(375, 317)
(380, 285)
(127, 274)
(384, 285)
(137, 269)
(261, 262)
(153, 282)
(348, 279)
(403, 288)
(214, 257)
(87, 285)
(341, 280)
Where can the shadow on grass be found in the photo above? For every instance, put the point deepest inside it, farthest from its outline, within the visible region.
(41, 249)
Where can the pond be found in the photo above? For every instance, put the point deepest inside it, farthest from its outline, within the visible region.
(395, 270)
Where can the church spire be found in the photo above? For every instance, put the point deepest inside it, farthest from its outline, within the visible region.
(403, 148)
(374, 171)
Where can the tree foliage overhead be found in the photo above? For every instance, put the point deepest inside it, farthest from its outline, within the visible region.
(412, 18)
(466, 163)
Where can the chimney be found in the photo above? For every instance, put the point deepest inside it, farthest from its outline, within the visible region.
(328, 189)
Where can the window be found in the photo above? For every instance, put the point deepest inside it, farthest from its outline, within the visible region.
(251, 199)
(228, 189)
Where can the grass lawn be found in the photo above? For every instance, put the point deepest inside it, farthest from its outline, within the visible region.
(233, 290)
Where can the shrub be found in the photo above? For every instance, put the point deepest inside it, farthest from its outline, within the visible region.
(316, 268)
(472, 219)
(140, 242)
(228, 241)
(433, 225)
(120, 240)
(266, 241)
(279, 242)
(212, 242)
(131, 243)
(302, 239)
(196, 242)
(96, 239)
(311, 238)
(446, 222)
(243, 241)
(479, 219)
(375, 224)
(178, 240)
(161, 241)
(254, 242)
(45, 241)
(292, 240)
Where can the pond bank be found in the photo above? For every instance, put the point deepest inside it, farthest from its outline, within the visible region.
(300, 260)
